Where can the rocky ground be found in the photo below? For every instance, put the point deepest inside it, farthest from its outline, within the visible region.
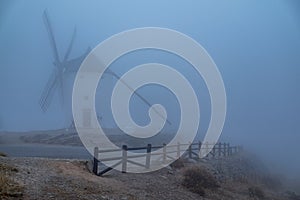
(237, 177)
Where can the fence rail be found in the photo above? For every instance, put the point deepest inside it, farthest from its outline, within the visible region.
(192, 152)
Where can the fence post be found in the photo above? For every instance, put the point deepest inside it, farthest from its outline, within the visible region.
(225, 149)
(228, 146)
(148, 156)
(207, 149)
(124, 158)
(220, 149)
(190, 150)
(199, 145)
(178, 150)
(214, 151)
(164, 153)
(95, 164)
(230, 150)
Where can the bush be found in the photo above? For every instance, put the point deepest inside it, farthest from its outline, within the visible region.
(178, 164)
(198, 179)
(6, 168)
(256, 192)
(8, 187)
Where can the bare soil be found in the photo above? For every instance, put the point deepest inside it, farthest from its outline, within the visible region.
(70, 179)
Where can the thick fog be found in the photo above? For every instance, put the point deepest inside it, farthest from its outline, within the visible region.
(255, 44)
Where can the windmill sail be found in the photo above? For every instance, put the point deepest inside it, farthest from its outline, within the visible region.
(51, 36)
(48, 91)
(56, 80)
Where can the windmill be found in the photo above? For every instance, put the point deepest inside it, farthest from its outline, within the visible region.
(65, 66)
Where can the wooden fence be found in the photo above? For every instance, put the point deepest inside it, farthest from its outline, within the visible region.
(190, 150)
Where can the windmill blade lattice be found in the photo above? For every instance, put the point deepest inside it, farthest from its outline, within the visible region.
(51, 36)
(48, 91)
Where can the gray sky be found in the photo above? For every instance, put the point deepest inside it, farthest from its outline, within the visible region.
(255, 44)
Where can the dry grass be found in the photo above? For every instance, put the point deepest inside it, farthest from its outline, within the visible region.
(198, 179)
(7, 168)
(8, 187)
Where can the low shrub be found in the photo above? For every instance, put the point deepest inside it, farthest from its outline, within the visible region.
(256, 192)
(178, 164)
(198, 179)
(8, 187)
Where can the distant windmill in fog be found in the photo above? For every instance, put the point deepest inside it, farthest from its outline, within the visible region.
(67, 66)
